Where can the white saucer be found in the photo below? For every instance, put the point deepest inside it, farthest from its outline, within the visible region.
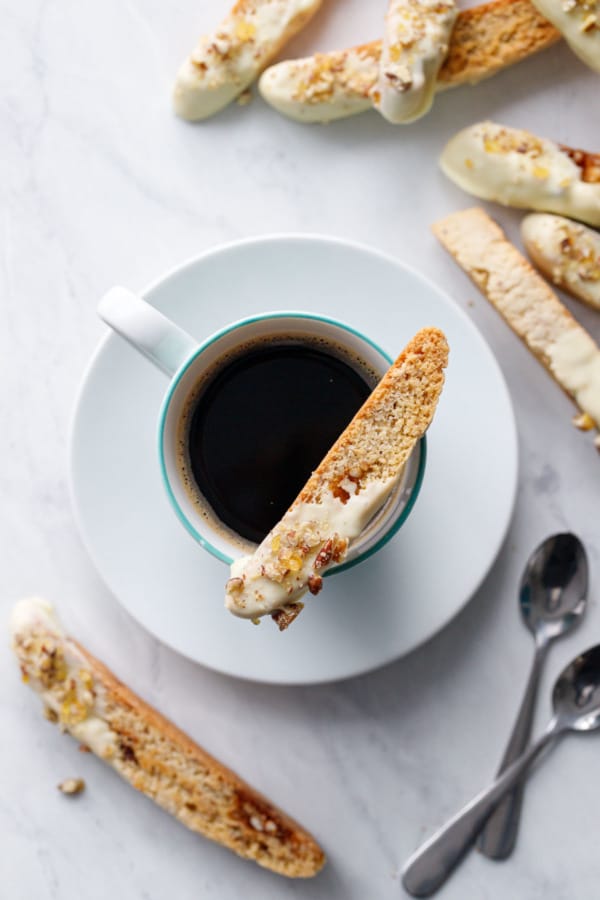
(367, 616)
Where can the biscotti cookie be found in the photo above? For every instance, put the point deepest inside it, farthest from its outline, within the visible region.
(226, 62)
(415, 44)
(148, 751)
(347, 488)
(485, 40)
(566, 252)
(516, 168)
(528, 304)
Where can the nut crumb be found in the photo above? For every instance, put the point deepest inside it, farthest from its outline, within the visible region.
(315, 583)
(584, 422)
(50, 714)
(285, 616)
(72, 786)
(245, 98)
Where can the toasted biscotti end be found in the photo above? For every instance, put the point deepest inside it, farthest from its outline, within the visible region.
(343, 494)
(226, 62)
(491, 36)
(378, 441)
(566, 252)
(88, 701)
(517, 168)
(528, 304)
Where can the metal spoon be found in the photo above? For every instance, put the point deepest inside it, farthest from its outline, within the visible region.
(576, 702)
(552, 599)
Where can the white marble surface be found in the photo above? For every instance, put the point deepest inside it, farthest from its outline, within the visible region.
(100, 184)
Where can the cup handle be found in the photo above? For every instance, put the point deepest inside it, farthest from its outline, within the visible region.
(146, 329)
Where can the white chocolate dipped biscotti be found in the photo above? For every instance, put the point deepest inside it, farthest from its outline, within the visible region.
(415, 44)
(528, 304)
(149, 752)
(485, 39)
(225, 62)
(347, 488)
(517, 168)
(566, 252)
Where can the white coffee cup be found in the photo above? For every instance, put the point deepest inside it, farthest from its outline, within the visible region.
(185, 361)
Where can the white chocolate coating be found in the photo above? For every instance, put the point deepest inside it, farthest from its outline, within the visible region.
(55, 668)
(579, 23)
(575, 360)
(517, 168)
(566, 252)
(226, 62)
(273, 577)
(415, 44)
(307, 90)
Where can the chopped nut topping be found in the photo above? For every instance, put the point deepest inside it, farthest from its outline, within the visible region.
(284, 617)
(50, 714)
(235, 585)
(584, 422)
(245, 30)
(315, 583)
(505, 141)
(589, 23)
(72, 786)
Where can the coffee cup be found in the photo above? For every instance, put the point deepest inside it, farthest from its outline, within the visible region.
(231, 367)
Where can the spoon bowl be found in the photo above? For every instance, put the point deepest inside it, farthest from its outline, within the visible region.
(576, 695)
(554, 586)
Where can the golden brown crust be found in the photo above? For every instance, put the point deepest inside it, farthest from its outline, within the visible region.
(201, 792)
(589, 163)
(492, 36)
(366, 461)
(377, 442)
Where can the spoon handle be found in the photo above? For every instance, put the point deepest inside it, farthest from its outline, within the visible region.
(498, 837)
(430, 866)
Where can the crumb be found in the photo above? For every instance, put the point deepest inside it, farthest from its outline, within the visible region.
(72, 786)
(245, 98)
(584, 422)
(285, 616)
(50, 714)
(83, 748)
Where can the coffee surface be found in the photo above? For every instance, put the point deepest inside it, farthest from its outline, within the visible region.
(263, 423)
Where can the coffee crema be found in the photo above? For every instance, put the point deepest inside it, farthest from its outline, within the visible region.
(260, 421)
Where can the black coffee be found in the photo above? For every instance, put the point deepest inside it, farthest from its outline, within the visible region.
(262, 423)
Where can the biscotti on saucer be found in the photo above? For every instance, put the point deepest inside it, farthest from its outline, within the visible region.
(347, 488)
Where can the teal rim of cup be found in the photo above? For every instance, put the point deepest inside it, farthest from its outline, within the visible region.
(214, 551)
